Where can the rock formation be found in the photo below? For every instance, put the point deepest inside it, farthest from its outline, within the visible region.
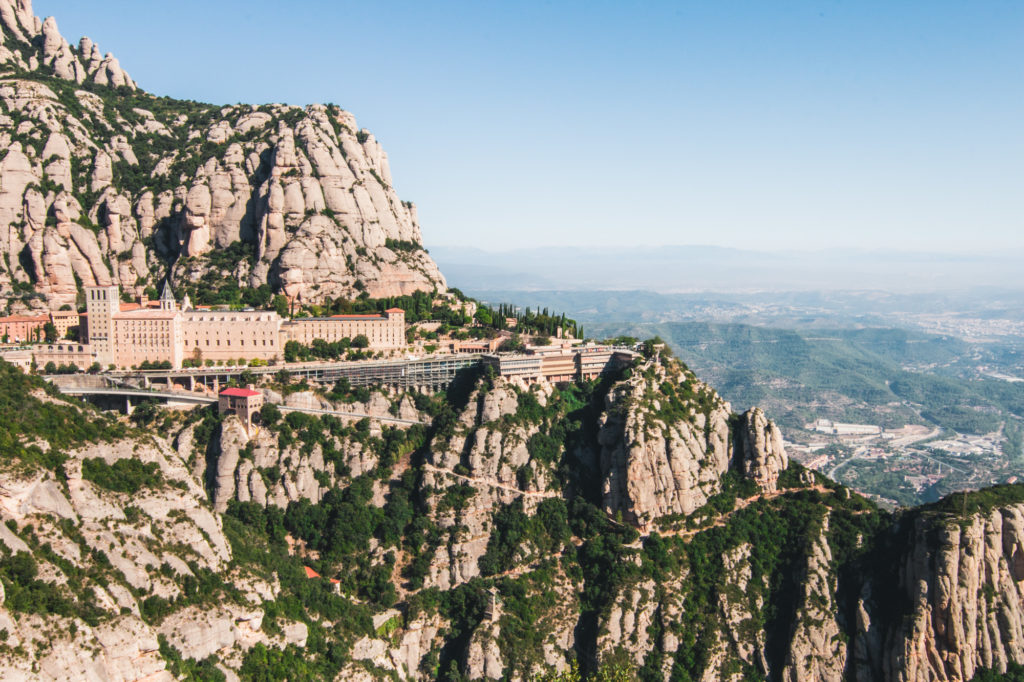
(110, 554)
(522, 535)
(816, 649)
(632, 525)
(759, 454)
(103, 183)
(653, 465)
(960, 582)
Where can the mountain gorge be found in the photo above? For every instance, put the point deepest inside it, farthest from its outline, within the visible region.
(105, 184)
(631, 526)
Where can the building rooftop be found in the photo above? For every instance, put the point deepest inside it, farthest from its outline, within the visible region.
(395, 310)
(25, 318)
(239, 392)
(129, 307)
(145, 314)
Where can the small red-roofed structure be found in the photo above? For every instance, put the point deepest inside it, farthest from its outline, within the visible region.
(310, 573)
(244, 402)
(239, 392)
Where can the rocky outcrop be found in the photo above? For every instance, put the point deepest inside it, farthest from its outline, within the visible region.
(483, 656)
(233, 438)
(254, 467)
(104, 544)
(124, 648)
(816, 650)
(403, 655)
(138, 537)
(198, 633)
(39, 43)
(738, 637)
(626, 629)
(759, 454)
(655, 465)
(302, 196)
(491, 550)
(962, 582)
(489, 456)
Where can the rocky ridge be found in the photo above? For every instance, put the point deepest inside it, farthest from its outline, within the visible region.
(105, 184)
(487, 545)
(258, 468)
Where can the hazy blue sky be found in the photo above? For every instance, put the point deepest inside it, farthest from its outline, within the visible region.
(751, 124)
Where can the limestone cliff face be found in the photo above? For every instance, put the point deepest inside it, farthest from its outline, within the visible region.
(653, 462)
(960, 584)
(759, 453)
(110, 554)
(495, 546)
(487, 455)
(255, 467)
(104, 184)
(816, 649)
(666, 440)
(29, 44)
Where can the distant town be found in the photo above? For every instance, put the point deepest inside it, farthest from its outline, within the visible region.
(904, 465)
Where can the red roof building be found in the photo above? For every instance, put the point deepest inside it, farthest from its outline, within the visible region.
(239, 393)
(243, 402)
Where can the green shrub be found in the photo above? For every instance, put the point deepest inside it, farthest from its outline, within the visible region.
(123, 476)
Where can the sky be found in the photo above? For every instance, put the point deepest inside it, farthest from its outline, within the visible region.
(758, 125)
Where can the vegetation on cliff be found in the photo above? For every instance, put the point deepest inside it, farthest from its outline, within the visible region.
(488, 536)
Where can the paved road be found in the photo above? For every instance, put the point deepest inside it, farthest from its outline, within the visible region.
(910, 440)
(860, 451)
(188, 396)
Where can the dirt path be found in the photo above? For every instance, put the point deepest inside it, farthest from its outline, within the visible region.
(687, 533)
(492, 484)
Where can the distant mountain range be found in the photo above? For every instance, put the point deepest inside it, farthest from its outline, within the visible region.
(713, 268)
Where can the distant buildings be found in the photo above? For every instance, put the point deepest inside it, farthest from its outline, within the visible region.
(840, 429)
(163, 333)
(24, 328)
(384, 332)
(66, 321)
(474, 345)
